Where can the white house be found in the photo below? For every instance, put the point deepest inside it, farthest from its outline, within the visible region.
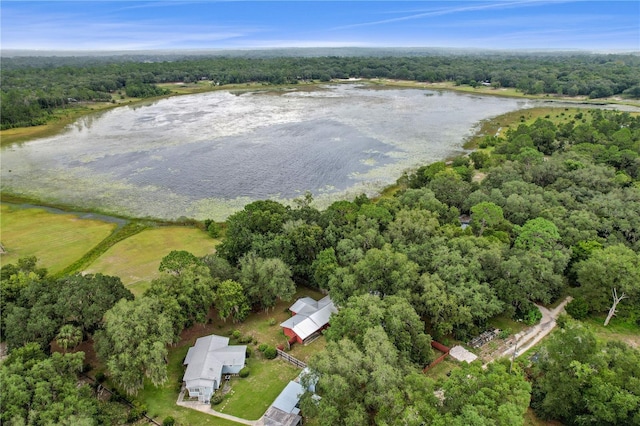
(207, 361)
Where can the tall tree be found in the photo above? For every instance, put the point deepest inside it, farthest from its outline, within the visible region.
(42, 390)
(493, 396)
(366, 384)
(265, 280)
(193, 290)
(613, 271)
(133, 343)
(177, 261)
(486, 215)
(85, 298)
(230, 301)
(69, 336)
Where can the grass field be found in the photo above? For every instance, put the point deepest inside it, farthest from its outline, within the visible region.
(250, 397)
(57, 240)
(136, 259)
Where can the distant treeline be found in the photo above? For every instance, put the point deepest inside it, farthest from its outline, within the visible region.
(32, 87)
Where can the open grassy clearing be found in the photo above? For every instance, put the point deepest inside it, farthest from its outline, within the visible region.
(440, 371)
(57, 240)
(136, 259)
(503, 322)
(498, 126)
(617, 330)
(250, 397)
(264, 327)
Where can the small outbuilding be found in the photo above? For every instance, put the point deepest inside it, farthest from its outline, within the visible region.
(309, 318)
(207, 361)
(285, 411)
(461, 354)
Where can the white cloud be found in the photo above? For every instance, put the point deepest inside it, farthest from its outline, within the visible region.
(453, 10)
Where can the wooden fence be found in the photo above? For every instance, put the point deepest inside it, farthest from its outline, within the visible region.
(101, 387)
(441, 348)
(292, 360)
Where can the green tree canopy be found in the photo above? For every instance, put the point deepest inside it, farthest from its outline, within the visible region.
(401, 323)
(265, 280)
(579, 380)
(42, 390)
(615, 267)
(230, 301)
(192, 289)
(133, 343)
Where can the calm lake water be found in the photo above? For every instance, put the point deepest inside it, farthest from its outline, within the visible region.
(207, 155)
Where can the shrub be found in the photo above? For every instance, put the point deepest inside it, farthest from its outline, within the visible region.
(213, 230)
(528, 313)
(244, 372)
(217, 398)
(562, 320)
(578, 308)
(270, 352)
(504, 333)
(532, 317)
(236, 334)
(168, 421)
(262, 347)
(137, 412)
(272, 321)
(249, 352)
(245, 339)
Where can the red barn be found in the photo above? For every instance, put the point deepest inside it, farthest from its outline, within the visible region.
(309, 318)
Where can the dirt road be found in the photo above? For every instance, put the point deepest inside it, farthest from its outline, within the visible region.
(529, 337)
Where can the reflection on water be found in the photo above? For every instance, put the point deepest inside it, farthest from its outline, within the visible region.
(207, 155)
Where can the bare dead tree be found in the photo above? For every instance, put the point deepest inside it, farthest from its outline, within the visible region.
(616, 300)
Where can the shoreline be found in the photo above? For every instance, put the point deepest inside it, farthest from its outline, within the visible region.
(482, 129)
(56, 126)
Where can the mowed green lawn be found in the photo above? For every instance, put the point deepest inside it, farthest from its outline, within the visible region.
(136, 259)
(251, 396)
(57, 240)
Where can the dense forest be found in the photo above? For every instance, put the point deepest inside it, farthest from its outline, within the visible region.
(33, 87)
(554, 209)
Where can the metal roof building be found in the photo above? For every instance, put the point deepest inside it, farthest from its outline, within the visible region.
(207, 361)
(284, 411)
(309, 317)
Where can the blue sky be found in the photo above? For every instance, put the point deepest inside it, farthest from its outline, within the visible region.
(134, 25)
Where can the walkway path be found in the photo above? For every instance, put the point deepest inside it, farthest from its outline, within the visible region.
(526, 339)
(206, 408)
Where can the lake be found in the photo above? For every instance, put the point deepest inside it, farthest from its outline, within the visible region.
(207, 155)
